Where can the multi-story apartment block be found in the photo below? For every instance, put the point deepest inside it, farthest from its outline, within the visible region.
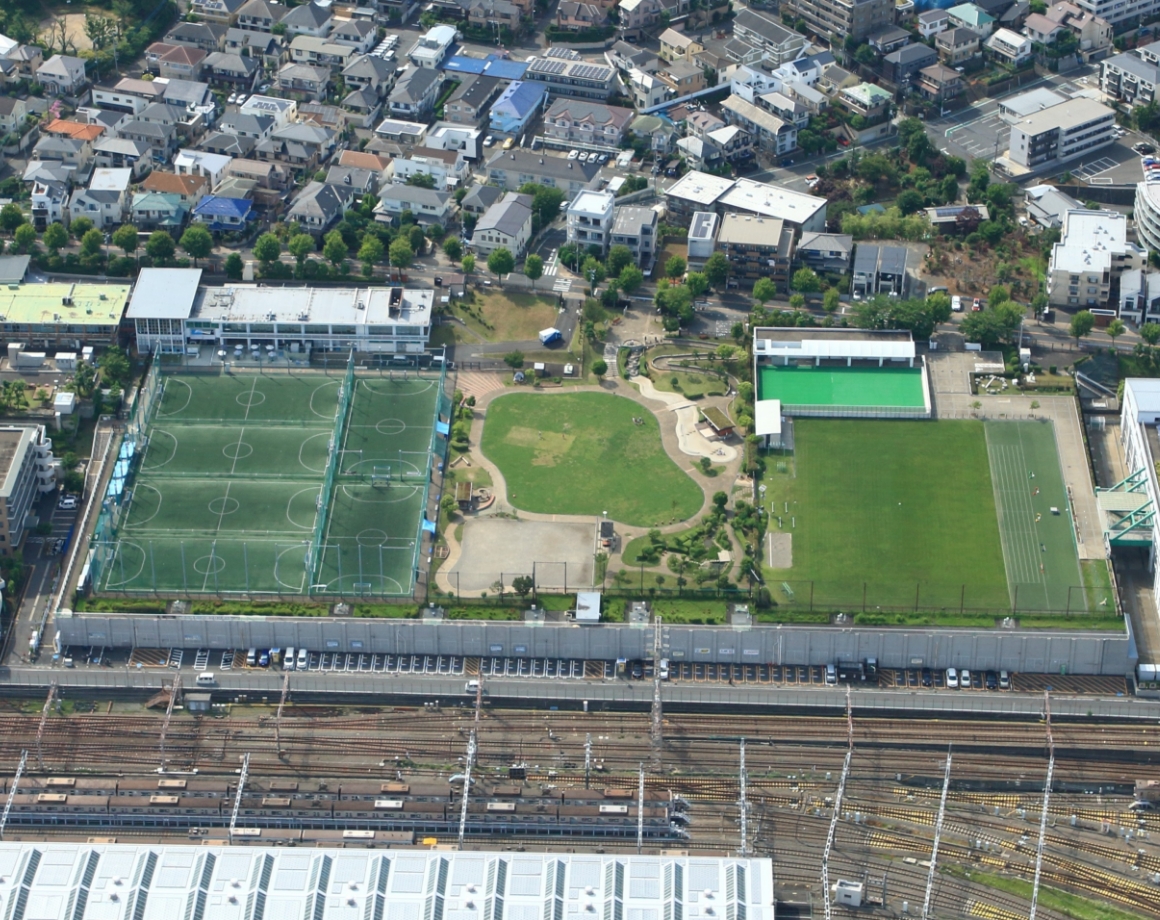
(590, 124)
(512, 168)
(763, 32)
(1093, 249)
(590, 217)
(567, 74)
(1147, 214)
(636, 228)
(1061, 132)
(29, 470)
(770, 133)
(1132, 77)
(756, 247)
(853, 18)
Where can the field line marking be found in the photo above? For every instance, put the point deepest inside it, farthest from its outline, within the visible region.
(250, 399)
(237, 449)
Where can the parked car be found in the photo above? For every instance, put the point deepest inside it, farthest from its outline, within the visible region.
(488, 141)
(952, 679)
(965, 679)
(976, 305)
(509, 143)
(573, 154)
(957, 304)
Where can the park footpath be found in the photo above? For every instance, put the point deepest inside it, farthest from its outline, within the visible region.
(673, 412)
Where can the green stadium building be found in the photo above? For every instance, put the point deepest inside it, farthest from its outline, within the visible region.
(835, 373)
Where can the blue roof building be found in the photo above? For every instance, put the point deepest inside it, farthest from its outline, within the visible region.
(224, 213)
(491, 66)
(512, 111)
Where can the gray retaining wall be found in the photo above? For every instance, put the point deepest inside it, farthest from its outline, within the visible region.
(1036, 651)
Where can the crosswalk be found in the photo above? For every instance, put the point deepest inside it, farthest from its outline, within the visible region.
(552, 265)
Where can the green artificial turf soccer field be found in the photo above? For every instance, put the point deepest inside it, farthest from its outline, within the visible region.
(889, 508)
(582, 453)
(842, 386)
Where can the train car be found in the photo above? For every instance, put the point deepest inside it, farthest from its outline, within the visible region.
(246, 832)
(350, 810)
(190, 787)
(388, 804)
(175, 805)
(282, 807)
(607, 809)
(355, 837)
(620, 794)
(503, 807)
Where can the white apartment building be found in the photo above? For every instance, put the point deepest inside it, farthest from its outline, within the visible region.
(1092, 250)
(590, 217)
(29, 469)
(1147, 214)
(1062, 132)
(1115, 11)
(430, 50)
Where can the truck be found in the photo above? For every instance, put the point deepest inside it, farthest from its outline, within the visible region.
(551, 336)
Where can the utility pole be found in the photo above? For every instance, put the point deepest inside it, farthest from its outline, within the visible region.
(640, 811)
(242, 774)
(278, 717)
(174, 691)
(1046, 800)
(942, 810)
(587, 760)
(743, 804)
(656, 725)
(837, 806)
(43, 722)
(466, 784)
(12, 792)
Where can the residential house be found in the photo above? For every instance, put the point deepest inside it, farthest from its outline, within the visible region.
(283, 111)
(479, 198)
(220, 214)
(624, 57)
(21, 62)
(1041, 29)
(367, 73)
(701, 240)
(217, 11)
(516, 105)
(158, 211)
(677, 46)
(62, 75)
(931, 22)
(319, 206)
(181, 62)
(682, 77)
(358, 33)
(771, 135)
(1047, 205)
(635, 16)
(470, 102)
(590, 217)
(13, 111)
(230, 145)
(814, 100)
(153, 55)
(192, 95)
(659, 130)
(1093, 33)
(429, 206)
(263, 173)
(900, 66)
(786, 109)
(939, 82)
(506, 224)
(189, 189)
(199, 163)
(447, 168)
(161, 138)
(870, 101)
(734, 142)
(303, 81)
(129, 95)
(887, 39)
(230, 71)
(500, 12)
(70, 152)
(105, 201)
(50, 191)
(565, 73)
(636, 228)
(393, 136)
(1010, 47)
(241, 124)
(646, 90)
(432, 47)
(955, 46)
(415, 93)
(77, 130)
(700, 154)
(300, 146)
(511, 169)
(589, 124)
(308, 19)
(320, 52)
(834, 79)
(261, 15)
(1015, 16)
(264, 47)
(878, 270)
(208, 36)
(843, 18)
(362, 107)
(576, 16)
(825, 252)
(971, 16)
(357, 180)
(756, 247)
(763, 32)
(123, 153)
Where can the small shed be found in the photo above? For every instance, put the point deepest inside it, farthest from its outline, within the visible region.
(767, 422)
(64, 403)
(720, 423)
(588, 607)
(455, 285)
(198, 702)
(463, 495)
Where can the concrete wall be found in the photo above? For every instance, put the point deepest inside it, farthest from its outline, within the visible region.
(1014, 650)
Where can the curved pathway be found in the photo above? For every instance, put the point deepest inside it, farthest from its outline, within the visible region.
(671, 437)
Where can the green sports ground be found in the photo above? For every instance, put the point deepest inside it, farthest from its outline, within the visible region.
(947, 515)
(274, 483)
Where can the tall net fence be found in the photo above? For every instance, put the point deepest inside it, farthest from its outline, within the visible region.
(341, 415)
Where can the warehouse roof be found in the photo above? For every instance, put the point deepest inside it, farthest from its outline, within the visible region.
(164, 293)
(64, 303)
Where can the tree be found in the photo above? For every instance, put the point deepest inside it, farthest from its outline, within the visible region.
(1081, 324)
(545, 203)
(630, 279)
(25, 236)
(101, 30)
(300, 246)
(11, 217)
(1115, 329)
(600, 367)
(401, 253)
(619, 256)
(534, 268)
(593, 272)
(910, 201)
(334, 248)
(523, 585)
(717, 269)
(115, 367)
(421, 180)
(266, 249)
(370, 252)
(234, 266)
(764, 289)
(197, 242)
(501, 261)
(994, 326)
(78, 227)
(467, 264)
(697, 283)
(453, 248)
(417, 239)
(56, 237)
(797, 301)
(831, 300)
(807, 281)
(514, 359)
(720, 499)
(125, 238)
(1150, 333)
(675, 267)
(91, 242)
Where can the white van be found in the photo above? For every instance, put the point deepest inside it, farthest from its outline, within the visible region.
(952, 679)
(303, 658)
(663, 670)
(472, 687)
(288, 660)
(251, 658)
(206, 679)
(831, 675)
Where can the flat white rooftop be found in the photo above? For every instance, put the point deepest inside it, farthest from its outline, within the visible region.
(772, 201)
(253, 303)
(1089, 240)
(700, 188)
(592, 202)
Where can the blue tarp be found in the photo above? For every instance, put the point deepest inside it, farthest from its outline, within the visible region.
(491, 66)
(428, 526)
(443, 428)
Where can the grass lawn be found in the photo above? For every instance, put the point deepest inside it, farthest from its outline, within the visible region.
(1054, 899)
(885, 509)
(503, 316)
(689, 383)
(581, 453)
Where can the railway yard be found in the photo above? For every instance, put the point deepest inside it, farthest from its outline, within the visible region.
(394, 777)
